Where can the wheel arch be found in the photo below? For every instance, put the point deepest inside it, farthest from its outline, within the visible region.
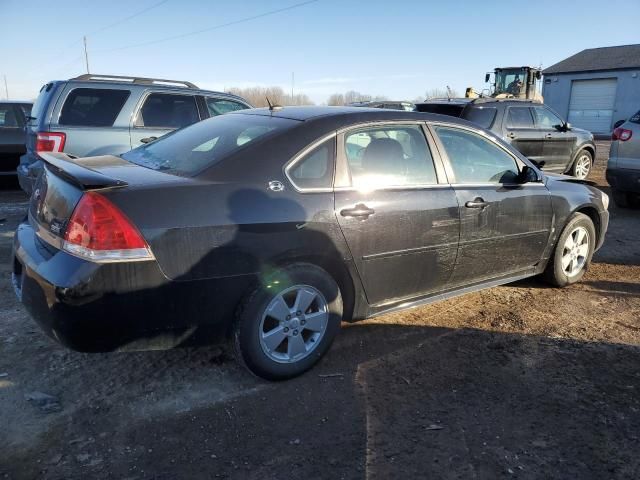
(591, 212)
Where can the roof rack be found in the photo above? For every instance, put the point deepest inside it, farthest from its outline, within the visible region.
(135, 80)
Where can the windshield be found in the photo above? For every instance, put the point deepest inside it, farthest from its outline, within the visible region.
(510, 81)
(194, 148)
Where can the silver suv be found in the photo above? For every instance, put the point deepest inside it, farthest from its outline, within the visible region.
(623, 168)
(106, 114)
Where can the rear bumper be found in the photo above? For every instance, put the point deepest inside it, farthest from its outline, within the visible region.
(94, 307)
(624, 179)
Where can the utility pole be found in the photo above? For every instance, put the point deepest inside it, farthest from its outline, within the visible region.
(86, 55)
(6, 87)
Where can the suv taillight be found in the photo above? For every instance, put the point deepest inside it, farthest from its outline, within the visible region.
(621, 134)
(99, 231)
(50, 142)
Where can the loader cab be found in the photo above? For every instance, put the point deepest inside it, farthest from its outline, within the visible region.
(515, 82)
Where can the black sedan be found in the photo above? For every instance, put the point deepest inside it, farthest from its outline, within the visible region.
(272, 226)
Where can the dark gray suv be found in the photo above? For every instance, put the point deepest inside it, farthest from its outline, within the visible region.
(106, 114)
(534, 129)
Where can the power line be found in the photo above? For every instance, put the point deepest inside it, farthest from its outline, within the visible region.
(134, 15)
(208, 29)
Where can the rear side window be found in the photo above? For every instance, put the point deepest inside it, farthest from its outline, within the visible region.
(165, 110)
(190, 150)
(483, 116)
(92, 107)
(315, 169)
(218, 106)
(474, 159)
(635, 118)
(389, 156)
(519, 117)
(8, 117)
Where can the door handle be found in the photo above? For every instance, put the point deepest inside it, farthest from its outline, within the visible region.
(511, 135)
(477, 203)
(548, 135)
(148, 139)
(360, 210)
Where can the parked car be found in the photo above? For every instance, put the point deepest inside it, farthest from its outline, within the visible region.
(389, 104)
(12, 136)
(273, 225)
(623, 167)
(534, 129)
(96, 115)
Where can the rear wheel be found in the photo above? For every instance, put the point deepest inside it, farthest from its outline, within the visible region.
(572, 255)
(287, 324)
(582, 165)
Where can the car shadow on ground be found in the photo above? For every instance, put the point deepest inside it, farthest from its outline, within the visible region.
(389, 401)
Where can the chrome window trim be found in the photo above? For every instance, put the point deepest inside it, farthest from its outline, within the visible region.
(300, 155)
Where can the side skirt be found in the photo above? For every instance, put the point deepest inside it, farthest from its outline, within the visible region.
(404, 305)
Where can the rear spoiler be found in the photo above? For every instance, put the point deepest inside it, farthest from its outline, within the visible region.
(75, 172)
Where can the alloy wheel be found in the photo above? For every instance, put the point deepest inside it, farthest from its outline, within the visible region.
(583, 166)
(575, 252)
(293, 324)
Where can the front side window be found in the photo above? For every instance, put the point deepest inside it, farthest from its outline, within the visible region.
(315, 169)
(519, 117)
(192, 149)
(475, 159)
(170, 111)
(92, 107)
(546, 119)
(389, 156)
(8, 117)
(218, 106)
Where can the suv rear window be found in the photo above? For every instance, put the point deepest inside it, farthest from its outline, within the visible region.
(92, 107)
(483, 116)
(190, 150)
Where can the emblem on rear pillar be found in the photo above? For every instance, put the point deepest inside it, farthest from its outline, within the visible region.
(276, 186)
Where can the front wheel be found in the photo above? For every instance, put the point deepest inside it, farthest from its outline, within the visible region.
(572, 255)
(582, 165)
(289, 322)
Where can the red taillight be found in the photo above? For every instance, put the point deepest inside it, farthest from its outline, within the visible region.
(621, 134)
(50, 142)
(99, 231)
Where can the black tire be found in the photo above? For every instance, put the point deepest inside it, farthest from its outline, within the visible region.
(621, 199)
(554, 273)
(574, 167)
(247, 328)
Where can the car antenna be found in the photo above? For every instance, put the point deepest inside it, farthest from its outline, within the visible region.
(272, 107)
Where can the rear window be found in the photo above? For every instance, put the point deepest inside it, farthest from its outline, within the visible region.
(635, 118)
(92, 107)
(39, 105)
(482, 116)
(202, 145)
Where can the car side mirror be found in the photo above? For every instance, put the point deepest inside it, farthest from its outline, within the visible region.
(528, 175)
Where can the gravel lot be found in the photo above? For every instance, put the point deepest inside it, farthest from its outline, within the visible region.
(521, 381)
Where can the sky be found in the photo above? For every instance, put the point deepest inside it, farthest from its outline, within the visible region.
(397, 48)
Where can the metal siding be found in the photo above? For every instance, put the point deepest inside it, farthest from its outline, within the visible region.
(591, 104)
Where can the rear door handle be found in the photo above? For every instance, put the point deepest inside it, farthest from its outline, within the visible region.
(148, 139)
(511, 135)
(477, 203)
(360, 210)
(548, 135)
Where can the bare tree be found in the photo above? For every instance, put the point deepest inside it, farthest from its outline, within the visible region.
(336, 99)
(441, 93)
(257, 96)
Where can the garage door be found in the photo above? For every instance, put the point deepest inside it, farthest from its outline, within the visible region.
(591, 104)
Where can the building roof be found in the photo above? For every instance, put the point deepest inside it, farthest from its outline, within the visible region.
(596, 59)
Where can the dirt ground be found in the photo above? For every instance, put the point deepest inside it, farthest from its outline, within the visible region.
(520, 381)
